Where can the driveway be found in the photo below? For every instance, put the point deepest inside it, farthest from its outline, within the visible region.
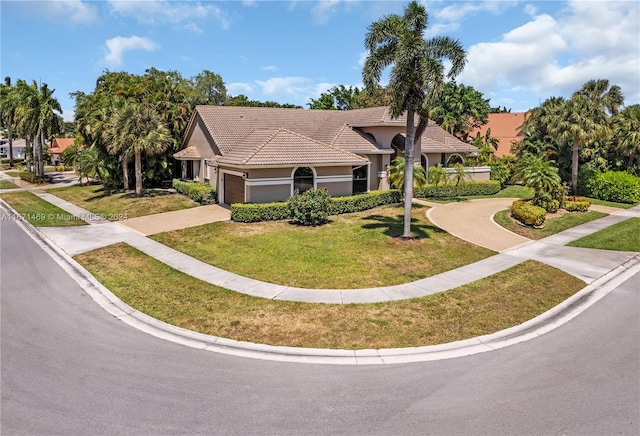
(178, 219)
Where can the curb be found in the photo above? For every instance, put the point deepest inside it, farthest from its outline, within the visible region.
(544, 323)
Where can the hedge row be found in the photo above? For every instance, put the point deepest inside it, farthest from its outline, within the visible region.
(618, 186)
(199, 192)
(32, 178)
(249, 212)
(576, 204)
(16, 160)
(527, 213)
(478, 187)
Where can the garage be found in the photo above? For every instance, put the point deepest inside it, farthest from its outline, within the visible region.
(233, 189)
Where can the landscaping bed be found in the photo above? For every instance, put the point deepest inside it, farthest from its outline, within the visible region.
(353, 251)
(554, 223)
(482, 307)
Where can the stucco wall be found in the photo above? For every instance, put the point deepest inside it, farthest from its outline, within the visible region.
(200, 139)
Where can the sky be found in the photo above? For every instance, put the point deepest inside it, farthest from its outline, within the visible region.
(519, 53)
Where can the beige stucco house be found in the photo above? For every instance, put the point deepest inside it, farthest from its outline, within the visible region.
(261, 155)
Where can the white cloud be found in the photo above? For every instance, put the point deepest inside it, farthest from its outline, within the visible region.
(557, 55)
(283, 85)
(269, 68)
(239, 88)
(530, 10)
(323, 10)
(74, 11)
(249, 3)
(180, 14)
(460, 10)
(118, 45)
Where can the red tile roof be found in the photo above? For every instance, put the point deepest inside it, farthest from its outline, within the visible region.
(61, 144)
(505, 128)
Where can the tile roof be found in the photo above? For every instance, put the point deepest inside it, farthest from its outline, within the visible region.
(274, 147)
(190, 152)
(505, 128)
(60, 144)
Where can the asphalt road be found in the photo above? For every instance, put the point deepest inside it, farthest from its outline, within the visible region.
(67, 367)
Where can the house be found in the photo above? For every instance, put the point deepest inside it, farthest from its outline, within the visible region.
(58, 146)
(261, 155)
(505, 127)
(18, 145)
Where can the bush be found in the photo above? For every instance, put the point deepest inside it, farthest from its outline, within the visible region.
(500, 172)
(63, 168)
(527, 213)
(577, 204)
(617, 186)
(310, 208)
(360, 202)
(483, 187)
(199, 192)
(32, 178)
(251, 213)
(16, 160)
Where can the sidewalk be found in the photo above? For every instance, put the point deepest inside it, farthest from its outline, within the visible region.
(585, 264)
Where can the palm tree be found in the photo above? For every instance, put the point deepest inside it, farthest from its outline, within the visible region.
(91, 165)
(416, 79)
(8, 104)
(142, 132)
(537, 173)
(111, 123)
(397, 172)
(626, 135)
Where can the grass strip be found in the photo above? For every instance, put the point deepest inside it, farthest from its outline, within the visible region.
(624, 236)
(482, 307)
(12, 173)
(39, 212)
(352, 251)
(552, 225)
(122, 204)
(6, 184)
(511, 191)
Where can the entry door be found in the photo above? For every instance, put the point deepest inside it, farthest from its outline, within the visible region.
(233, 189)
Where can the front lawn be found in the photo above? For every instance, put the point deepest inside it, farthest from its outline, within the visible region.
(39, 212)
(552, 226)
(352, 251)
(120, 204)
(624, 236)
(12, 173)
(485, 306)
(6, 184)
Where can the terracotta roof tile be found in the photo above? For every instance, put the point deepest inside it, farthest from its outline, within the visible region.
(190, 152)
(61, 144)
(505, 128)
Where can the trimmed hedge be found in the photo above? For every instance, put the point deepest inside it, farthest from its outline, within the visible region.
(617, 186)
(310, 208)
(527, 213)
(250, 213)
(32, 178)
(199, 192)
(364, 201)
(477, 187)
(576, 204)
(16, 160)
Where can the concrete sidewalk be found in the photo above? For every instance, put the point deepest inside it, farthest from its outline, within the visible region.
(586, 264)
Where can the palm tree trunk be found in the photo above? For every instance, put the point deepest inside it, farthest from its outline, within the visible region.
(125, 173)
(574, 167)
(10, 135)
(40, 162)
(138, 168)
(408, 174)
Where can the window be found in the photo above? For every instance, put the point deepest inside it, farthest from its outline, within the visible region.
(424, 162)
(454, 159)
(189, 172)
(303, 179)
(360, 182)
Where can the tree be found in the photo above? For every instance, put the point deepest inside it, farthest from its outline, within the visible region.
(538, 173)
(209, 88)
(115, 136)
(397, 172)
(145, 133)
(416, 79)
(459, 109)
(626, 136)
(90, 165)
(9, 102)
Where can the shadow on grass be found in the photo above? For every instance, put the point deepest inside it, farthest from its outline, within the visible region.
(147, 193)
(393, 226)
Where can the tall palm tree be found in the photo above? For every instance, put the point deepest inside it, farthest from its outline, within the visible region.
(142, 132)
(416, 79)
(8, 104)
(111, 122)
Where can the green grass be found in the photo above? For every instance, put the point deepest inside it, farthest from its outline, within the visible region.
(39, 212)
(482, 307)
(6, 184)
(511, 191)
(94, 199)
(12, 173)
(354, 250)
(611, 203)
(552, 225)
(624, 236)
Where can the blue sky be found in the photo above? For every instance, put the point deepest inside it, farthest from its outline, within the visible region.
(519, 52)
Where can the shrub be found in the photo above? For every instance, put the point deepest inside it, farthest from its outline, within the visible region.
(618, 186)
(199, 192)
(251, 212)
(481, 187)
(16, 160)
(32, 178)
(500, 172)
(360, 202)
(310, 208)
(576, 204)
(527, 213)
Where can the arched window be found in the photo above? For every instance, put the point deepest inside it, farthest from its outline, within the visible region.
(303, 179)
(360, 182)
(454, 159)
(424, 161)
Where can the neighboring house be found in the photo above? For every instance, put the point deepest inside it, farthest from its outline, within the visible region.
(505, 127)
(18, 145)
(261, 155)
(59, 145)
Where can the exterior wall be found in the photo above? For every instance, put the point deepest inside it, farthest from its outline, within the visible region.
(268, 193)
(200, 139)
(337, 189)
(477, 173)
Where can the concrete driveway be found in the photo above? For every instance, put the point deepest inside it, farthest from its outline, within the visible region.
(178, 219)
